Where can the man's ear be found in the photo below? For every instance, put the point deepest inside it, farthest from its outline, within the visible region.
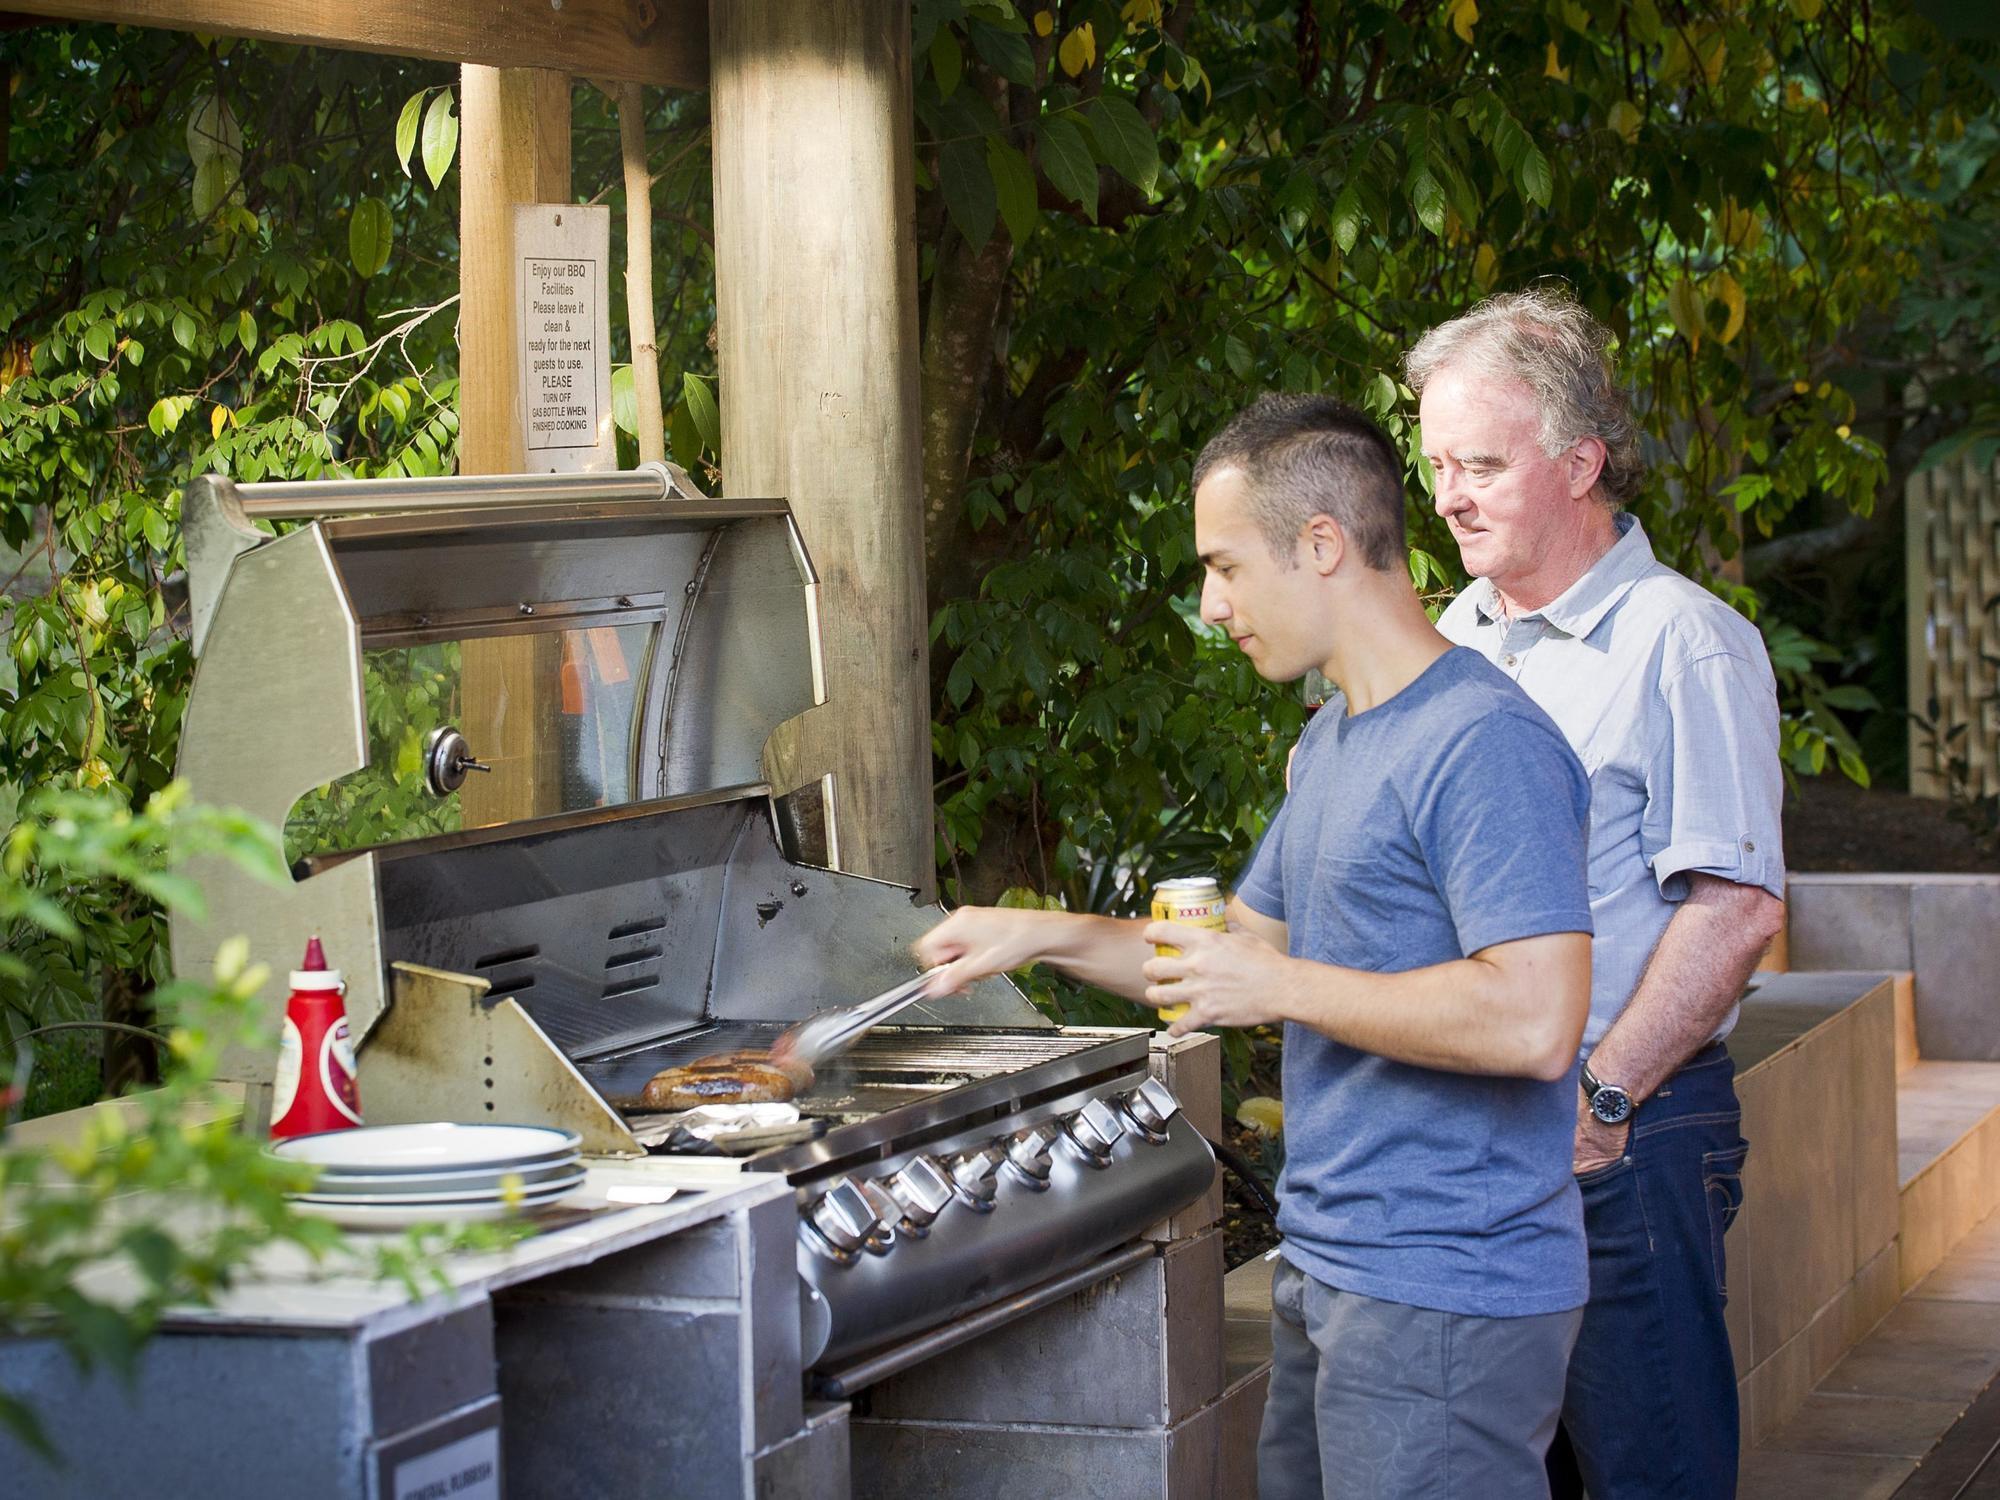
(1586, 464)
(1323, 544)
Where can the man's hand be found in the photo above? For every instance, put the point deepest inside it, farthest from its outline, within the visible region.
(1597, 1144)
(976, 942)
(1223, 978)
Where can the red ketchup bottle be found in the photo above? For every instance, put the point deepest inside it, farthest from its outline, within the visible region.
(315, 1088)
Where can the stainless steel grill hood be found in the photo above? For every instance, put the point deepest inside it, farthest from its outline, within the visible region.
(512, 729)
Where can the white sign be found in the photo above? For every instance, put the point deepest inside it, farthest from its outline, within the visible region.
(468, 1469)
(564, 252)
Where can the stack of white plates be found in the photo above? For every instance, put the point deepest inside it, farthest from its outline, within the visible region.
(392, 1176)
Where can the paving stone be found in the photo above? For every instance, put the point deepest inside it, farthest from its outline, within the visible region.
(1882, 1425)
(1769, 1475)
(1925, 1351)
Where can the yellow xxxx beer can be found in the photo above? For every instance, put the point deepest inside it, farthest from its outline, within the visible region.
(1196, 900)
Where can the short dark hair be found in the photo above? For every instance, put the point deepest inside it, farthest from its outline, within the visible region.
(1304, 456)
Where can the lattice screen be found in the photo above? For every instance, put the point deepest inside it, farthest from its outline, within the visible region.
(1952, 528)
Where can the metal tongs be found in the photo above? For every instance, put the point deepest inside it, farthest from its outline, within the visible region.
(820, 1036)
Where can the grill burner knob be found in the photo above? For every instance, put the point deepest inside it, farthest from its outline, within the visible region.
(888, 1213)
(1095, 1129)
(1151, 1105)
(1028, 1152)
(976, 1175)
(920, 1190)
(844, 1217)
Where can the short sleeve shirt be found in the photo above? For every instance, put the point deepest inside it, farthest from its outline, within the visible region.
(1446, 820)
(1666, 695)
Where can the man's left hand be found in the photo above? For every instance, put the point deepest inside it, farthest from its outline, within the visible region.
(1598, 1144)
(1223, 978)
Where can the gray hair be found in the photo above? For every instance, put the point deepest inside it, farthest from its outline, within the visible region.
(1306, 456)
(1544, 339)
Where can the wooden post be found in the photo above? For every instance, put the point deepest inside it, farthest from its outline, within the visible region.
(816, 313)
(514, 148)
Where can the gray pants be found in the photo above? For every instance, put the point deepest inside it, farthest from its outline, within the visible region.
(1378, 1401)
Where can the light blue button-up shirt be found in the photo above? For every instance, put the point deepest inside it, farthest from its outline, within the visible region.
(1666, 695)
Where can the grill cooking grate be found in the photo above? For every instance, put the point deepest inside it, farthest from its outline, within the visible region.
(885, 1068)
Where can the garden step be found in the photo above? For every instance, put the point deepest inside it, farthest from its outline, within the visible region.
(1947, 1157)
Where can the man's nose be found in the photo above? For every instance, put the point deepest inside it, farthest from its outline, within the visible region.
(1446, 493)
(1214, 602)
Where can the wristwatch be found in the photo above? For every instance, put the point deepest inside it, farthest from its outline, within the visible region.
(1610, 1103)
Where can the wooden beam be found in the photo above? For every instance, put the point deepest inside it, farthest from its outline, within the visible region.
(514, 148)
(514, 135)
(645, 41)
(816, 298)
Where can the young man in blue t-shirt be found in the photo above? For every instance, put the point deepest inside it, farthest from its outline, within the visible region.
(1417, 917)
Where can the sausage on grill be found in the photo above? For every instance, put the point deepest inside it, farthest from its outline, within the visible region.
(745, 1077)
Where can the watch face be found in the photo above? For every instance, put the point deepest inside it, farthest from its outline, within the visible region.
(1611, 1104)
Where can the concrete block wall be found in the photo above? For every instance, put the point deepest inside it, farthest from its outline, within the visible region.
(1812, 1257)
(1942, 929)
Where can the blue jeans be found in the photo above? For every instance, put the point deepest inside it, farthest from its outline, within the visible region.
(1650, 1407)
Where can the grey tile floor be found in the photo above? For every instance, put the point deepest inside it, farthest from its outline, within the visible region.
(1884, 1406)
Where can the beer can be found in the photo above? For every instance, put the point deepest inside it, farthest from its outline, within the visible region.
(1196, 900)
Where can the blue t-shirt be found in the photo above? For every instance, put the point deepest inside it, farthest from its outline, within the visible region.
(1448, 819)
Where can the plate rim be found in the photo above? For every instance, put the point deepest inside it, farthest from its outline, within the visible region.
(395, 1200)
(562, 1140)
(330, 1184)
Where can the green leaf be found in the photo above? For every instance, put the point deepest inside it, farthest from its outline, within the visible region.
(1014, 182)
(1427, 200)
(1536, 180)
(947, 62)
(1237, 354)
(213, 134)
(212, 180)
(246, 331)
(406, 128)
(701, 407)
(683, 436)
(1006, 53)
(1125, 141)
(969, 192)
(1067, 162)
(370, 232)
(440, 137)
(185, 332)
(97, 340)
(624, 400)
(1348, 217)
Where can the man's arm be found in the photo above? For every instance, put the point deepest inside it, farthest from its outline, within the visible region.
(1515, 1009)
(1695, 975)
(1109, 952)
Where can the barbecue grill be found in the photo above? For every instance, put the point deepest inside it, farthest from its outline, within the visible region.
(513, 729)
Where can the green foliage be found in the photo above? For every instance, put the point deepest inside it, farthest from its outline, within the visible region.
(167, 1198)
(82, 879)
(228, 258)
(1727, 186)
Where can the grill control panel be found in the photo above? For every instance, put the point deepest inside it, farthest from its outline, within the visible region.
(896, 1245)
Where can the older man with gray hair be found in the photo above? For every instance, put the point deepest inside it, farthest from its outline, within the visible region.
(1666, 695)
